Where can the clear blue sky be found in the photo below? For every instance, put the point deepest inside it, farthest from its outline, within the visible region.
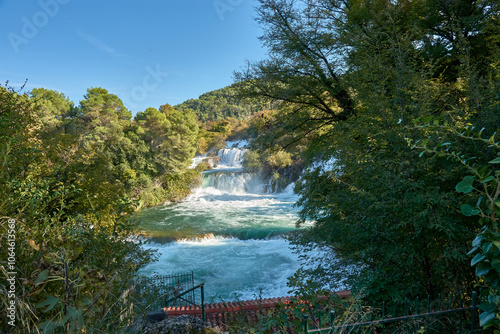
(148, 52)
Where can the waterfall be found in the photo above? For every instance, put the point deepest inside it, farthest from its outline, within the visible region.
(203, 158)
(234, 183)
(231, 157)
(229, 232)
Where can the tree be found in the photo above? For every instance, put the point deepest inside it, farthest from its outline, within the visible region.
(54, 108)
(180, 140)
(73, 255)
(99, 108)
(353, 76)
(220, 104)
(480, 197)
(304, 66)
(171, 135)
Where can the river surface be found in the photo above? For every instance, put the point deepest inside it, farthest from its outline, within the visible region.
(229, 233)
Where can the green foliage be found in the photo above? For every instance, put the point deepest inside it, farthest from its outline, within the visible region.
(352, 77)
(277, 150)
(53, 108)
(307, 300)
(279, 159)
(70, 177)
(74, 261)
(220, 104)
(481, 194)
(171, 136)
(167, 140)
(252, 162)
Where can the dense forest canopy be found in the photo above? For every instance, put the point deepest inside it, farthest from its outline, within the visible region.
(223, 103)
(362, 84)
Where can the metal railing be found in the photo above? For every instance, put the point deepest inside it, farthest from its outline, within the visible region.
(439, 316)
(180, 296)
(158, 288)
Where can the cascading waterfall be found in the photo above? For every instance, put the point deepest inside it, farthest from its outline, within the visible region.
(231, 157)
(233, 182)
(228, 232)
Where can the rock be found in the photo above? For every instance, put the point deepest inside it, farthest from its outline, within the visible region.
(183, 324)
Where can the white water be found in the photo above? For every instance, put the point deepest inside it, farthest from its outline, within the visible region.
(232, 269)
(228, 232)
(231, 157)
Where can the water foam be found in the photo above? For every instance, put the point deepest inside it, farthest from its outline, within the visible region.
(231, 268)
(231, 157)
(238, 143)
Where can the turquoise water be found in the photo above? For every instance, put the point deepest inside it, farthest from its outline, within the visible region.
(229, 233)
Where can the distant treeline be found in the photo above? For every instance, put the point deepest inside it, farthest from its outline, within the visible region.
(223, 103)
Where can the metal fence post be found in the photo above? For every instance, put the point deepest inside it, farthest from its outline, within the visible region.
(332, 321)
(473, 312)
(203, 315)
(306, 323)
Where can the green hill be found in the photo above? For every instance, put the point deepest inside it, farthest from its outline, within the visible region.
(221, 104)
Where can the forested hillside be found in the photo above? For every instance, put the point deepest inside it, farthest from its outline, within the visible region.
(223, 103)
(394, 106)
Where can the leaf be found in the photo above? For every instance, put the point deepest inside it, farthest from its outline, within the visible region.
(468, 210)
(473, 250)
(33, 244)
(49, 326)
(76, 252)
(74, 317)
(488, 179)
(51, 301)
(482, 269)
(495, 263)
(486, 247)
(492, 140)
(42, 277)
(469, 179)
(477, 258)
(477, 241)
(487, 307)
(493, 299)
(427, 119)
(495, 161)
(465, 186)
(486, 318)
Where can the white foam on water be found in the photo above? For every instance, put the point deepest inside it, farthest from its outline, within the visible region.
(232, 183)
(230, 268)
(231, 157)
(238, 143)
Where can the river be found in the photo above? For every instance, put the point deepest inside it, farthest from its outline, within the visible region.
(229, 233)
